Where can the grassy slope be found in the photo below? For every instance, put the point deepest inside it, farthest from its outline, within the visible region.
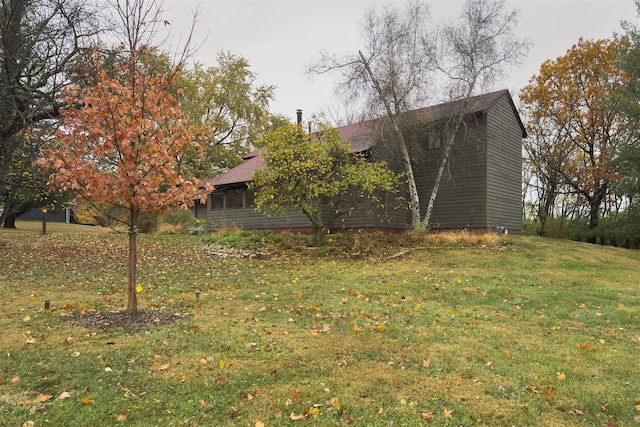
(533, 332)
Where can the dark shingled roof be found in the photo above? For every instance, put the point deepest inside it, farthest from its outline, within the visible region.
(359, 135)
(241, 173)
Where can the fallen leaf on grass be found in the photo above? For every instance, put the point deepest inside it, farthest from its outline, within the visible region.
(585, 346)
(550, 392)
(87, 400)
(163, 367)
(426, 363)
(30, 341)
(64, 395)
(346, 418)
(259, 424)
(207, 406)
(43, 397)
(561, 376)
(294, 417)
(447, 413)
(334, 402)
(122, 417)
(15, 379)
(427, 416)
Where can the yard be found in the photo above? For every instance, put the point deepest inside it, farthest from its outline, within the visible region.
(509, 331)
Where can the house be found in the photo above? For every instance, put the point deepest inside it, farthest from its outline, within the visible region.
(481, 189)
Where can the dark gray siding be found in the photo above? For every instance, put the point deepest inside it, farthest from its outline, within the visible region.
(504, 167)
(248, 218)
(461, 199)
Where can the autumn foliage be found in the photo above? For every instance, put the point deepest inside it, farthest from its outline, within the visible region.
(573, 126)
(119, 144)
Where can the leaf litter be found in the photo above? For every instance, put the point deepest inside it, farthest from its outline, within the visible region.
(122, 319)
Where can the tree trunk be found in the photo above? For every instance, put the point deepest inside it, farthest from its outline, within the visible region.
(411, 180)
(436, 185)
(132, 296)
(317, 225)
(9, 221)
(451, 130)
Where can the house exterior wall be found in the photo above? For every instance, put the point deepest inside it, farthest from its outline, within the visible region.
(504, 168)
(364, 215)
(461, 198)
(481, 188)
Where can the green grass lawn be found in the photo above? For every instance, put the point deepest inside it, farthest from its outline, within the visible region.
(522, 332)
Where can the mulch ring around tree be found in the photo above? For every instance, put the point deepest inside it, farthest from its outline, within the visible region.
(122, 319)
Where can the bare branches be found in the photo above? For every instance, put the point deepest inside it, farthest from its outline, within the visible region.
(141, 26)
(37, 42)
(477, 49)
(391, 51)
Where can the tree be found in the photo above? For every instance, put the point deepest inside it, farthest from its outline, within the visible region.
(546, 153)
(626, 100)
(38, 40)
(314, 171)
(472, 54)
(391, 74)
(23, 184)
(576, 127)
(227, 100)
(120, 139)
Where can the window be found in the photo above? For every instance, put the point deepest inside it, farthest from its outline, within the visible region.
(434, 139)
(234, 198)
(251, 196)
(217, 200)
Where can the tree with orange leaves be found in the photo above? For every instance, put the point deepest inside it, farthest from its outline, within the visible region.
(120, 140)
(574, 129)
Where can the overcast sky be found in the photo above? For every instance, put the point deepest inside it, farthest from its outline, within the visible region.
(280, 38)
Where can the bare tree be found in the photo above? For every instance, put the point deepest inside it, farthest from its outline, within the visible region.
(472, 53)
(389, 75)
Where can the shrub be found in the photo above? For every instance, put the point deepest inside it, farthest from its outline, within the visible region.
(198, 227)
(177, 216)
